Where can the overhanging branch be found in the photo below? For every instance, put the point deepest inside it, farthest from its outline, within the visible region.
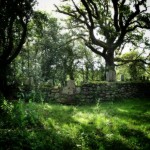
(126, 61)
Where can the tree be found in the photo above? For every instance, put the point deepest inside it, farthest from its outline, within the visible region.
(51, 52)
(107, 25)
(50, 56)
(132, 68)
(14, 16)
(61, 56)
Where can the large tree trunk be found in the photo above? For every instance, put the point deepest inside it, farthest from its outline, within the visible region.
(3, 80)
(6, 90)
(110, 68)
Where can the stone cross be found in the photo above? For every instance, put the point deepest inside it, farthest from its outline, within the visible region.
(70, 88)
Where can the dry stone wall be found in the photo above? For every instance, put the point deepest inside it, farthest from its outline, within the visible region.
(112, 91)
(104, 91)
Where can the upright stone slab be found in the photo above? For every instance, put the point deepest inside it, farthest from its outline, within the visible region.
(122, 77)
(110, 75)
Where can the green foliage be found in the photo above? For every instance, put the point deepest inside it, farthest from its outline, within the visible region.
(51, 57)
(121, 125)
(133, 70)
(16, 117)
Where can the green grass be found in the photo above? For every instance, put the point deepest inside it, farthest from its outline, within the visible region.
(105, 126)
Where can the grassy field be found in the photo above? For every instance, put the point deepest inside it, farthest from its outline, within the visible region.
(105, 126)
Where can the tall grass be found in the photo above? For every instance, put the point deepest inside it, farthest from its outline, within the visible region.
(106, 125)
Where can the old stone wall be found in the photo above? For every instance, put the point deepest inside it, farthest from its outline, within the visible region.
(103, 91)
(112, 91)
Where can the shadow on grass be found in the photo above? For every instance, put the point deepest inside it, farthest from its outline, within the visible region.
(47, 132)
(136, 138)
(34, 140)
(36, 128)
(96, 139)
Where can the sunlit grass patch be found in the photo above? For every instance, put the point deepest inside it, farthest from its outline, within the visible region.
(121, 125)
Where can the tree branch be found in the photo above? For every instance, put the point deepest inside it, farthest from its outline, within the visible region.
(93, 49)
(126, 61)
(89, 13)
(21, 42)
(115, 6)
